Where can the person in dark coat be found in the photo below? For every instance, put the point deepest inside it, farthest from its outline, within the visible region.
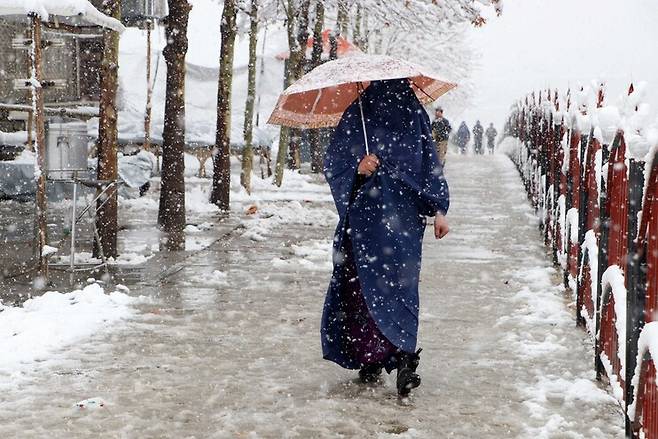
(463, 136)
(370, 317)
(478, 132)
(491, 134)
(441, 132)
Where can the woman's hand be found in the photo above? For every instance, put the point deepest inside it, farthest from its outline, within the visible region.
(368, 165)
(441, 228)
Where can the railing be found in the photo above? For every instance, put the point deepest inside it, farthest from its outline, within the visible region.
(600, 219)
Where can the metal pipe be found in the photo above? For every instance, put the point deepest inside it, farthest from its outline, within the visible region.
(363, 120)
(73, 222)
(149, 90)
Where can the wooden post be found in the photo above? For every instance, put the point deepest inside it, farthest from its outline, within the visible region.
(36, 76)
(149, 90)
(636, 274)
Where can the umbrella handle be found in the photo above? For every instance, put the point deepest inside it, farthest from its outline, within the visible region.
(363, 123)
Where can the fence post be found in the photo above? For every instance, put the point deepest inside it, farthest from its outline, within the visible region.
(557, 189)
(636, 278)
(582, 217)
(604, 227)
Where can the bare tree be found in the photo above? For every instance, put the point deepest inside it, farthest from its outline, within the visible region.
(316, 59)
(106, 220)
(297, 29)
(171, 214)
(221, 181)
(342, 18)
(248, 151)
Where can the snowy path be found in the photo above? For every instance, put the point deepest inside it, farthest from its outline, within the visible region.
(238, 355)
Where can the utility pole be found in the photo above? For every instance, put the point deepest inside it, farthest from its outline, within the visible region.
(149, 89)
(36, 76)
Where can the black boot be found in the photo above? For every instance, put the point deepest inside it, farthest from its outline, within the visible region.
(370, 373)
(407, 377)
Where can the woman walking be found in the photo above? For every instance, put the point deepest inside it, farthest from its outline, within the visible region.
(370, 318)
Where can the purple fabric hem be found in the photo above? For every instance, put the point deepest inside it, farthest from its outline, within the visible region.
(364, 339)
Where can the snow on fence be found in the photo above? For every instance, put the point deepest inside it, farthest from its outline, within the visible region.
(590, 171)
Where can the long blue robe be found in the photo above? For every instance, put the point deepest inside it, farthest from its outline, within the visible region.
(385, 215)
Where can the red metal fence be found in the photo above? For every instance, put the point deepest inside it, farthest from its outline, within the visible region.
(600, 219)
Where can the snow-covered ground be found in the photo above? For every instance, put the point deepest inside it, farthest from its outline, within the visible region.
(229, 344)
(44, 326)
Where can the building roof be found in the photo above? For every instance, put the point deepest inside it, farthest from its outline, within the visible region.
(65, 8)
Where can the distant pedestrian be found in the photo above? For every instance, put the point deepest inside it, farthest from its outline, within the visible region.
(478, 132)
(440, 132)
(462, 138)
(491, 134)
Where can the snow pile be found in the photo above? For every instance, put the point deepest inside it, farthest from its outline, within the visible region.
(613, 278)
(65, 8)
(217, 278)
(296, 186)
(314, 255)
(541, 332)
(591, 251)
(197, 200)
(539, 303)
(271, 215)
(47, 324)
(126, 258)
(648, 342)
(18, 138)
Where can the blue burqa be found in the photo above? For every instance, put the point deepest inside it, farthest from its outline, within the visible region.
(381, 218)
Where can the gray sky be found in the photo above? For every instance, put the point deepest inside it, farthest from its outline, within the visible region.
(561, 43)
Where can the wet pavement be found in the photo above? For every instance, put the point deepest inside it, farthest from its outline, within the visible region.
(226, 342)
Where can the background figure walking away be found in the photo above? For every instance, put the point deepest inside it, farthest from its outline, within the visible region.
(440, 132)
(463, 136)
(491, 134)
(478, 132)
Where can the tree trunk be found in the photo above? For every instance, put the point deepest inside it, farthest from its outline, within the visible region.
(221, 181)
(342, 18)
(106, 219)
(248, 151)
(356, 30)
(171, 214)
(297, 29)
(316, 59)
(284, 136)
(298, 69)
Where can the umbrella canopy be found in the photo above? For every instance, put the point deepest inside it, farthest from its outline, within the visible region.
(319, 98)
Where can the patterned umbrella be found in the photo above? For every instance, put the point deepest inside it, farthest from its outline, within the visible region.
(319, 98)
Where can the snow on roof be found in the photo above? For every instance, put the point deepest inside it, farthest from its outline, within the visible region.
(65, 8)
